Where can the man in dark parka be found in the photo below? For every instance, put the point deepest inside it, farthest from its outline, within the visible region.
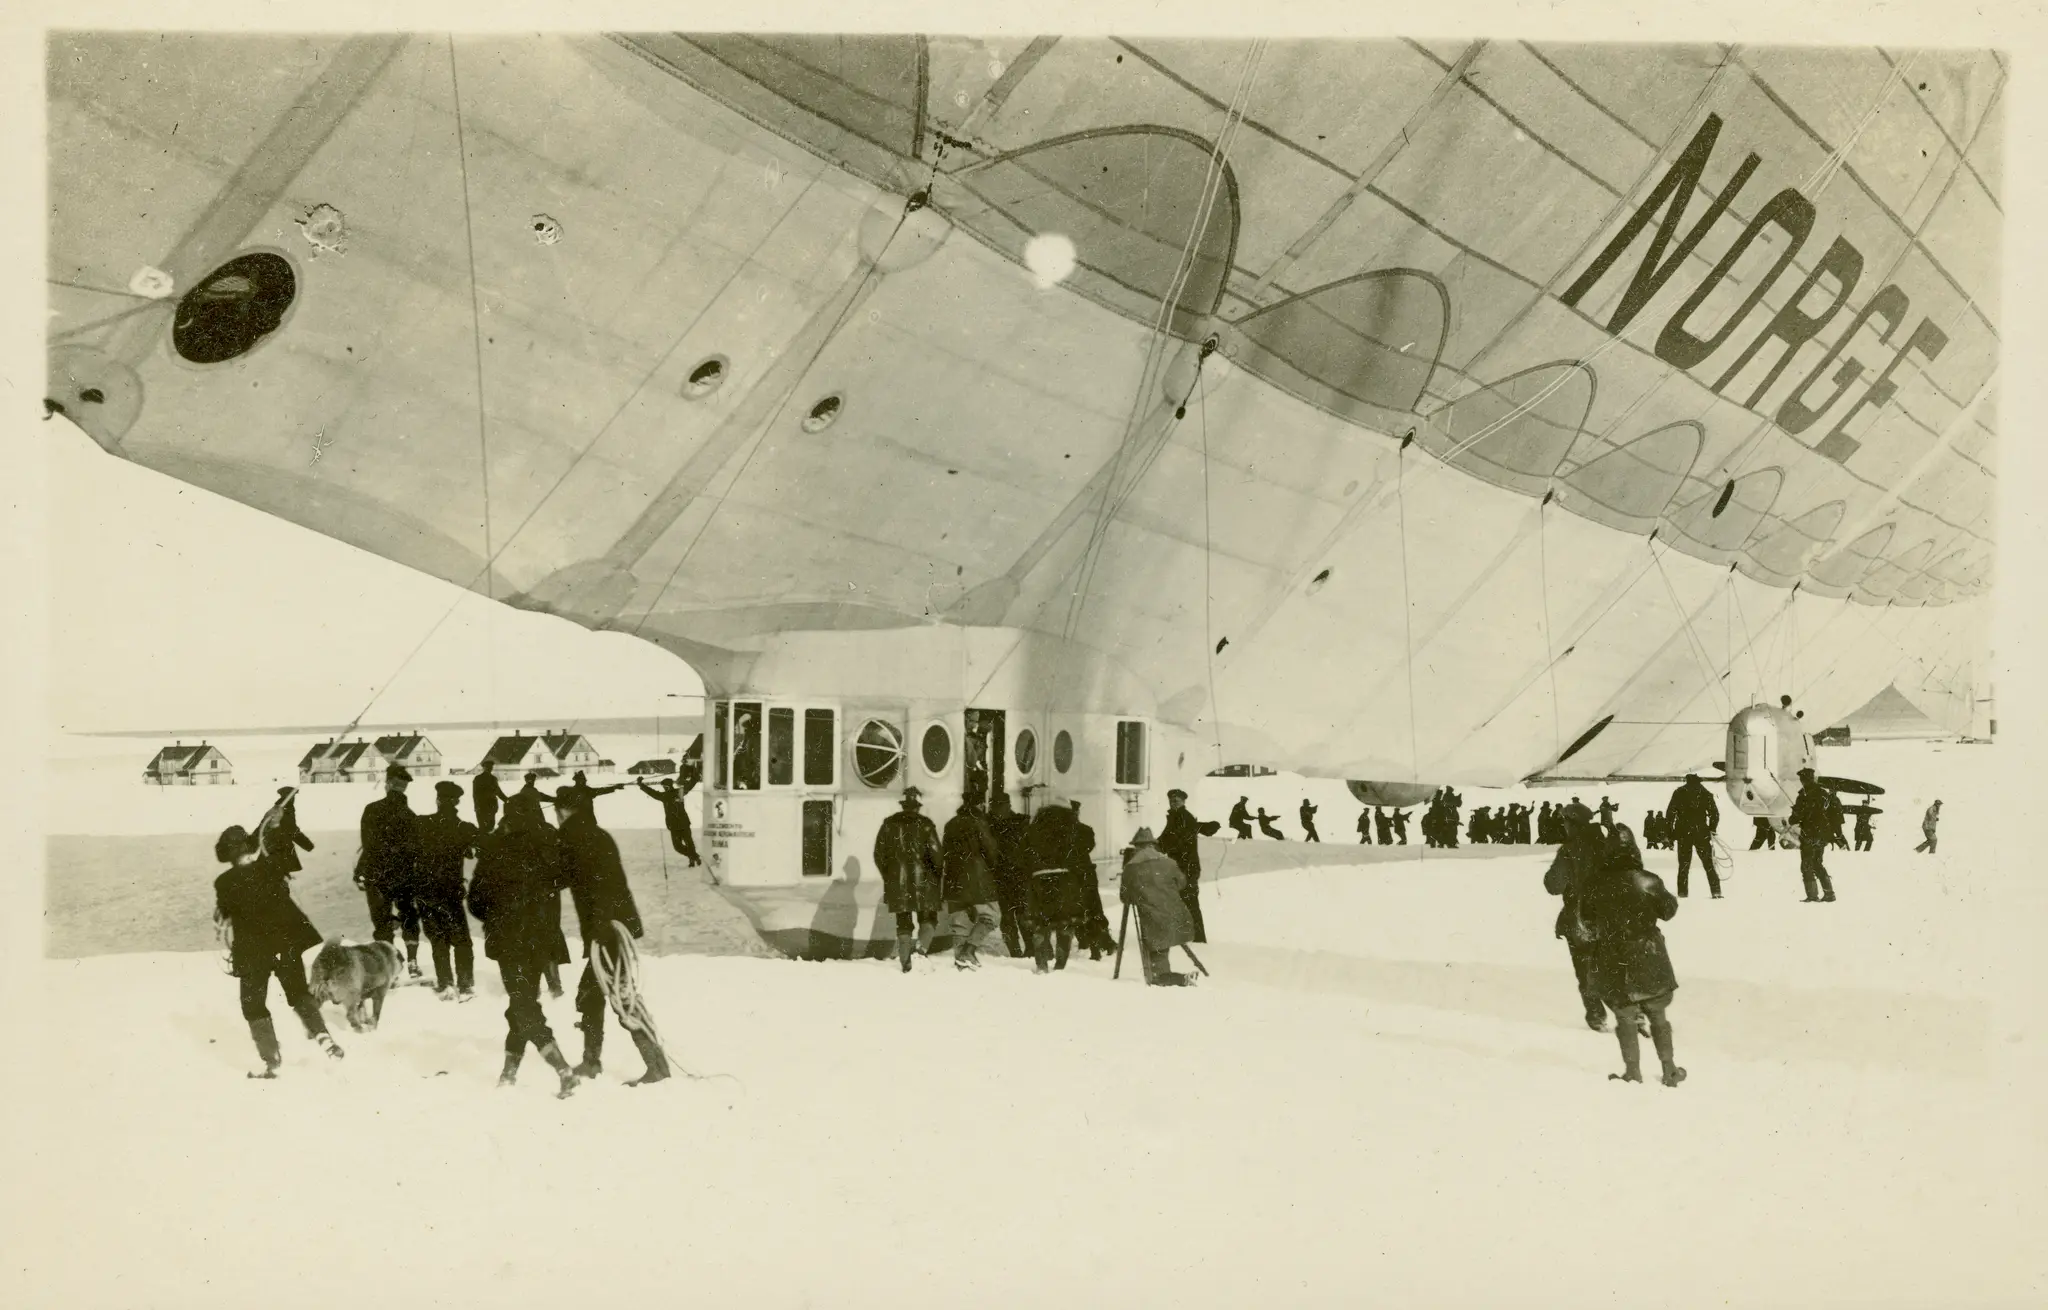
(1092, 928)
(1810, 814)
(675, 815)
(386, 867)
(1578, 860)
(1241, 819)
(282, 840)
(971, 856)
(1180, 842)
(908, 857)
(1013, 895)
(267, 936)
(486, 796)
(603, 898)
(1693, 816)
(1152, 885)
(517, 894)
(445, 838)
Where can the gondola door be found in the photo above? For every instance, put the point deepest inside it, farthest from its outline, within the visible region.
(986, 741)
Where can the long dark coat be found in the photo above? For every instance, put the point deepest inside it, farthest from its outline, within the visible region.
(444, 840)
(256, 902)
(1179, 841)
(1153, 884)
(597, 881)
(972, 857)
(390, 846)
(1577, 862)
(1049, 843)
(1623, 903)
(282, 840)
(517, 892)
(907, 856)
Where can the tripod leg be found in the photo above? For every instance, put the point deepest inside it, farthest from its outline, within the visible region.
(1122, 929)
(1196, 958)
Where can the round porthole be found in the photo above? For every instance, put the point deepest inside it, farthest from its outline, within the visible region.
(1063, 751)
(233, 308)
(706, 378)
(1027, 752)
(936, 748)
(878, 753)
(825, 413)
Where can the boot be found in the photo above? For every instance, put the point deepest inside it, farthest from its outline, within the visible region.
(657, 1063)
(560, 1064)
(329, 1045)
(593, 1047)
(1673, 1076)
(412, 961)
(510, 1073)
(265, 1033)
(904, 945)
(966, 957)
(925, 933)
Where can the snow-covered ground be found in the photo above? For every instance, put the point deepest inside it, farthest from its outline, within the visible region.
(1383, 1096)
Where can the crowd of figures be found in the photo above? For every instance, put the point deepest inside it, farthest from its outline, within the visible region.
(411, 871)
(1034, 881)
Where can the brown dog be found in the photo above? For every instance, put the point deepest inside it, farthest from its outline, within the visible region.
(355, 977)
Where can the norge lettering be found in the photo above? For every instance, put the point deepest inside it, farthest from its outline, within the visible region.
(1792, 213)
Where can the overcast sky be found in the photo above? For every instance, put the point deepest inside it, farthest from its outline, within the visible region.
(172, 607)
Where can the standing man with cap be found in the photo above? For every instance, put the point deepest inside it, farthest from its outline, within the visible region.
(445, 838)
(1927, 828)
(282, 834)
(1180, 842)
(1308, 822)
(907, 856)
(675, 815)
(1152, 883)
(486, 796)
(387, 867)
(1693, 816)
(1810, 814)
(604, 909)
(580, 795)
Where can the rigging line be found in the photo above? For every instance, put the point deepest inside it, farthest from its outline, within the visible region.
(589, 446)
(1113, 501)
(1693, 641)
(111, 319)
(1407, 633)
(1212, 181)
(1749, 638)
(476, 321)
(123, 294)
(1209, 590)
(1549, 646)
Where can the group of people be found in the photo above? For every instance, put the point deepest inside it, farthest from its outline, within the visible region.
(1033, 880)
(411, 869)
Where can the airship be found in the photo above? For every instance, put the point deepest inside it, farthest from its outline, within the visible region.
(1061, 418)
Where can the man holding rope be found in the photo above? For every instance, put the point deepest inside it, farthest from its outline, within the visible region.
(607, 919)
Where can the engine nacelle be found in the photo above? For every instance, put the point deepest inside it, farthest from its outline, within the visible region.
(1767, 747)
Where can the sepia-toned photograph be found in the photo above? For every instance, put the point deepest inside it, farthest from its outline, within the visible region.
(809, 668)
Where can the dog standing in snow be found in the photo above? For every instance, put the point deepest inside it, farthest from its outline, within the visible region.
(356, 978)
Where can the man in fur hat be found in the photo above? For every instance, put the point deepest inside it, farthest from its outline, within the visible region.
(1152, 884)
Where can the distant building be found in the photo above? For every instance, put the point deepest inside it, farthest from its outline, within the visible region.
(653, 768)
(412, 750)
(1241, 771)
(343, 761)
(180, 765)
(1835, 736)
(547, 754)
